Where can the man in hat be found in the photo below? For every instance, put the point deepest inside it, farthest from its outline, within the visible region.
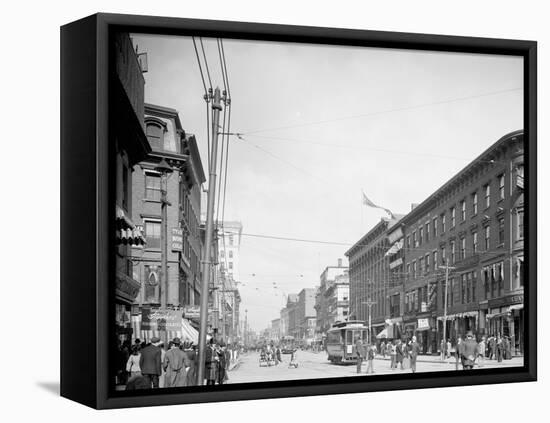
(150, 362)
(359, 353)
(174, 366)
(414, 351)
(211, 363)
(468, 351)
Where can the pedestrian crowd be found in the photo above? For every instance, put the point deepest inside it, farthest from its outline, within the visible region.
(403, 353)
(150, 365)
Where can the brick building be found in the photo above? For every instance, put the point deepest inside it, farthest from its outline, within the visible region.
(169, 142)
(473, 223)
(332, 298)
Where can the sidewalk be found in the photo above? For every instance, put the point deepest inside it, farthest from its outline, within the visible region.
(515, 361)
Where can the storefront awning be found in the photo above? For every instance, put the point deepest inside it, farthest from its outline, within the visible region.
(383, 334)
(459, 315)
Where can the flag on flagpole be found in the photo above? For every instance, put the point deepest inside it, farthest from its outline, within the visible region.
(369, 203)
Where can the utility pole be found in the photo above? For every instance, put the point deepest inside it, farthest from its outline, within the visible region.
(164, 169)
(369, 304)
(246, 329)
(216, 107)
(446, 267)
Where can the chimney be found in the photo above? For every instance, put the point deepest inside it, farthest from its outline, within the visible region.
(339, 262)
(414, 206)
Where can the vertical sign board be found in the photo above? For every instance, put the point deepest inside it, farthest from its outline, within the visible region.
(177, 239)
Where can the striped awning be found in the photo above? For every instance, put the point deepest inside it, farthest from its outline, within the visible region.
(127, 233)
(187, 331)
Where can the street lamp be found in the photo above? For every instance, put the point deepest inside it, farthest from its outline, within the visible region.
(164, 169)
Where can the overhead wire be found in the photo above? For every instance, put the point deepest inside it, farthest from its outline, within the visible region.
(206, 99)
(363, 148)
(380, 112)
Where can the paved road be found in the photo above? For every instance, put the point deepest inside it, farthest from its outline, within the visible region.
(315, 365)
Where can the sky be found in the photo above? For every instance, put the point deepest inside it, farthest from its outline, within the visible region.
(320, 125)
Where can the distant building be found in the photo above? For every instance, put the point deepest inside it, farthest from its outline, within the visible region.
(230, 233)
(306, 314)
(369, 274)
(290, 316)
(332, 302)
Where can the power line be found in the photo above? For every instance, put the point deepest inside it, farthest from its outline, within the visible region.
(206, 64)
(299, 169)
(363, 148)
(380, 112)
(496, 251)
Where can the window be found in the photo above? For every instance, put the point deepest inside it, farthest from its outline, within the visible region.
(475, 242)
(152, 233)
(501, 231)
(434, 261)
(125, 188)
(463, 289)
(152, 186)
(487, 189)
(463, 210)
(427, 231)
(427, 262)
(408, 269)
(434, 226)
(450, 297)
(414, 269)
(222, 253)
(151, 284)
(519, 177)
(453, 217)
(408, 242)
(501, 187)
(155, 135)
(421, 265)
(474, 286)
(443, 255)
(462, 248)
(414, 240)
(230, 254)
(520, 271)
(443, 223)
(520, 224)
(487, 237)
(442, 293)
(474, 203)
(453, 252)
(487, 281)
(231, 240)
(230, 265)
(420, 235)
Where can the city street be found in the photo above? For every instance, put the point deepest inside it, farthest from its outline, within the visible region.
(315, 365)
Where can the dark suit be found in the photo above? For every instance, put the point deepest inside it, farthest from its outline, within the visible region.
(415, 350)
(150, 364)
(468, 352)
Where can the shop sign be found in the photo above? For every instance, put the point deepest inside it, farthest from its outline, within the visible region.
(512, 299)
(396, 263)
(159, 319)
(423, 324)
(177, 239)
(395, 235)
(194, 312)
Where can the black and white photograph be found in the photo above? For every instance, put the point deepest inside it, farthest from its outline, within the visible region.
(294, 211)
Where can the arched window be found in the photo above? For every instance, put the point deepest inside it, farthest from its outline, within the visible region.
(155, 136)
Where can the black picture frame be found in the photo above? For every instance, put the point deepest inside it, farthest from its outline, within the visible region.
(87, 212)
